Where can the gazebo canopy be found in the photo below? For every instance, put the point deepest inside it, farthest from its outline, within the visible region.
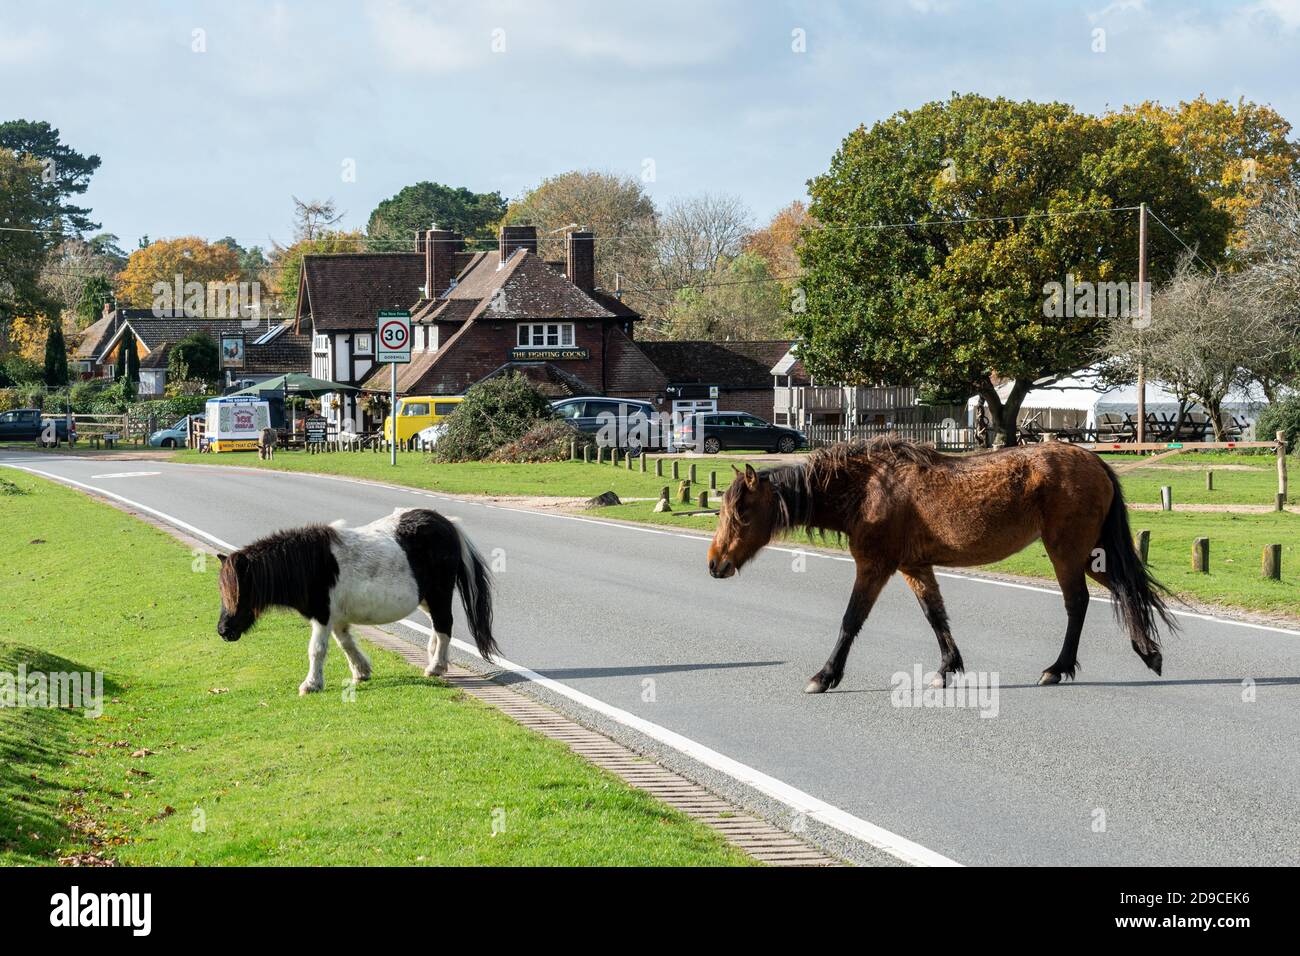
(296, 383)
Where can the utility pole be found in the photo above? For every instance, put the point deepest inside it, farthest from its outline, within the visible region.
(1142, 318)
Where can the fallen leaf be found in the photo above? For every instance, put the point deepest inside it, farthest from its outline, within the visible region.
(142, 752)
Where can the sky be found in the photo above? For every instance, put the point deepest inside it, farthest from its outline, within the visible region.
(209, 117)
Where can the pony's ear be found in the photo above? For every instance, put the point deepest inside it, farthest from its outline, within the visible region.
(221, 558)
(751, 476)
(735, 469)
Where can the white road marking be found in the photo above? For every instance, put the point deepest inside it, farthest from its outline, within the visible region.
(797, 800)
(126, 474)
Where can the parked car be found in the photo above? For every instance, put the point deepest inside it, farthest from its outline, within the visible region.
(711, 432)
(175, 436)
(417, 412)
(28, 424)
(630, 423)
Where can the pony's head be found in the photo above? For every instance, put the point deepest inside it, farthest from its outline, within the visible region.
(750, 514)
(238, 607)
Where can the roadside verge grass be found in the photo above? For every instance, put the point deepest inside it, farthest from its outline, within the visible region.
(204, 753)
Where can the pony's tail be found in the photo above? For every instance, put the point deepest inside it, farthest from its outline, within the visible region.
(1138, 597)
(475, 585)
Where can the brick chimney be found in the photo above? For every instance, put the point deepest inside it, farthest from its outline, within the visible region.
(517, 237)
(580, 252)
(439, 247)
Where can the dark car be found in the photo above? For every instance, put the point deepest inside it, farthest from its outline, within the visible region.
(711, 432)
(622, 422)
(27, 424)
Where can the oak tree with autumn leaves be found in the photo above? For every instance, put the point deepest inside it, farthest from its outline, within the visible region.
(190, 258)
(938, 229)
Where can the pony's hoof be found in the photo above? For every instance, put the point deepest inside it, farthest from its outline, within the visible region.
(938, 681)
(1049, 678)
(307, 687)
(435, 670)
(815, 687)
(358, 678)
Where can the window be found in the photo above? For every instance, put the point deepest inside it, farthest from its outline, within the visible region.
(569, 410)
(415, 408)
(363, 343)
(545, 335)
(322, 343)
(445, 408)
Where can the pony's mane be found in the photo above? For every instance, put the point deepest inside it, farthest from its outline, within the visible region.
(286, 568)
(798, 486)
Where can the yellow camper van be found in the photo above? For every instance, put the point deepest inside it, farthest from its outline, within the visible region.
(416, 412)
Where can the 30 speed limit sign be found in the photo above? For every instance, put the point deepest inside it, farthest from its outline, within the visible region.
(394, 337)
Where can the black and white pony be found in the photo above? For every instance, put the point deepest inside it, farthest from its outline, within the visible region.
(337, 576)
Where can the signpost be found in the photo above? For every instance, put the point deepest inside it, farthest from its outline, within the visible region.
(316, 429)
(393, 339)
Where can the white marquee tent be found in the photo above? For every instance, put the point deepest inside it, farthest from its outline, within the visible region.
(1077, 401)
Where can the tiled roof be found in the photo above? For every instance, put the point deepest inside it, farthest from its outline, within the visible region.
(629, 369)
(524, 287)
(286, 352)
(94, 336)
(347, 290)
(730, 364)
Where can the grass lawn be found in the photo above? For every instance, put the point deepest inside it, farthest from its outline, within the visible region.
(558, 479)
(205, 754)
(1236, 540)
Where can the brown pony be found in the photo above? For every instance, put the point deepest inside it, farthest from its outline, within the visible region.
(906, 507)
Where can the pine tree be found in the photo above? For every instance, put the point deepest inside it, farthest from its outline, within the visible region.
(56, 355)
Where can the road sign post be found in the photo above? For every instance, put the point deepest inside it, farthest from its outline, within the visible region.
(393, 338)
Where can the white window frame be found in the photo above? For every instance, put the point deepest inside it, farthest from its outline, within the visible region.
(321, 344)
(362, 344)
(545, 335)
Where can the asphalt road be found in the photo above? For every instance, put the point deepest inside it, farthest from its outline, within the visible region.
(1120, 767)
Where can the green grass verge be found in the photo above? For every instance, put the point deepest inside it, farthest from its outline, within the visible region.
(1236, 540)
(562, 479)
(237, 769)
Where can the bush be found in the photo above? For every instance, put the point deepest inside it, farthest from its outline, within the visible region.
(1281, 416)
(494, 413)
(545, 441)
(84, 394)
(16, 370)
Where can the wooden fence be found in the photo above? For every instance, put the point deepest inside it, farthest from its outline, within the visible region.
(944, 437)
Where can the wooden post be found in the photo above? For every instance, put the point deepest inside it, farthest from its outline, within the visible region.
(684, 492)
(600, 455)
(713, 481)
(1143, 545)
(1166, 498)
(573, 450)
(704, 499)
(613, 456)
(676, 472)
(1142, 316)
(1209, 479)
(631, 460)
(1271, 563)
(659, 467)
(586, 454)
(1201, 555)
(643, 463)
(691, 473)
(1281, 471)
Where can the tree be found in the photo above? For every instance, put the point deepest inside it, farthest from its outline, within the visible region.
(739, 302)
(286, 261)
(56, 355)
(495, 412)
(776, 242)
(1269, 252)
(617, 209)
(253, 263)
(132, 351)
(64, 171)
(1009, 200)
(27, 334)
(313, 217)
(195, 357)
(697, 234)
(1237, 154)
(474, 215)
(96, 292)
(189, 259)
(1207, 332)
(24, 245)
